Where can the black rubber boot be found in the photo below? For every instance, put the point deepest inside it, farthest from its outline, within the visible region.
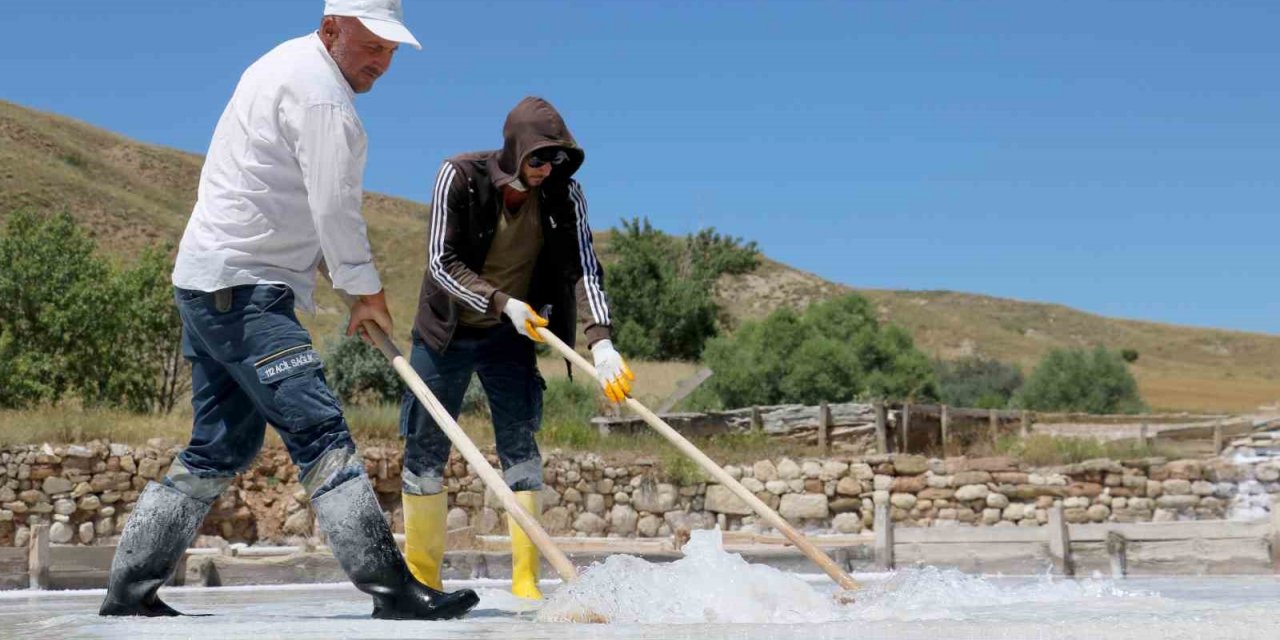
(362, 543)
(163, 524)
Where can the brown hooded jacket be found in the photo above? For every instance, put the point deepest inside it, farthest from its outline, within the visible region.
(464, 218)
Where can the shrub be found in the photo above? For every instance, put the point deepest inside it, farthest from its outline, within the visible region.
(975, 381)
(660, 288)
(360, 374)
(1096, 381)
(679, 470)
(1129, 355)
(74, 324)
(835, 352)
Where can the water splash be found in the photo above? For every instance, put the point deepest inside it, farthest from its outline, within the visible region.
(709, 585)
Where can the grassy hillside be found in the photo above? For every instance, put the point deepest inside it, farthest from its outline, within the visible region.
(132, 194)
(1178, 367)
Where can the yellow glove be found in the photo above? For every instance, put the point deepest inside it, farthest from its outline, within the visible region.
(524, 318)
(615, 376)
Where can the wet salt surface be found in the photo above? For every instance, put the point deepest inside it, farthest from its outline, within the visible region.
(709, 594)
(926, 604)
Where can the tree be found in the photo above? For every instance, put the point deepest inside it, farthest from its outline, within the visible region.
(147, 334)
(1096, 381)
(835, 352)
(73, 324)
(48, 294)
(660, 288)
(975, 381)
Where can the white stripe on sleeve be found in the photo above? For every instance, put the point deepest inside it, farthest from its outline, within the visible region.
(587, 256)
(435, 246)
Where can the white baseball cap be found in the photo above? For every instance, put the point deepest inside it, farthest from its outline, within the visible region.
(385, 18)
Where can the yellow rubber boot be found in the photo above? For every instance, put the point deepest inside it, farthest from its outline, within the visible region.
(525, 561)
(424, 532)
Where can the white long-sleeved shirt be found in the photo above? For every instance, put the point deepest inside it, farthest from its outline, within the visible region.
(281, 185)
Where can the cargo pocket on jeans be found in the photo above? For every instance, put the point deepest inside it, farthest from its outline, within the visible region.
(296, 379)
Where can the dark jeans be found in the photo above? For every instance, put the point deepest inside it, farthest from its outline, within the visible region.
(253, 363)
(507, 366)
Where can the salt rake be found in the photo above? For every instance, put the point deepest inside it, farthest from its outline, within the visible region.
(472, 455)
(844, 580)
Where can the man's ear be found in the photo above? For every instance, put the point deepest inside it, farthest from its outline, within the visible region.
(328, 30)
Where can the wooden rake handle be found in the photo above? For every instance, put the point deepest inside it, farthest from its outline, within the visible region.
(468, 449)
(802, 543)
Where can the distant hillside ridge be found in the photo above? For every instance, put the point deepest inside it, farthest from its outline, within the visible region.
(130, 194)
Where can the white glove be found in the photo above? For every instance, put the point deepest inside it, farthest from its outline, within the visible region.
(524, 318)
(614, 374)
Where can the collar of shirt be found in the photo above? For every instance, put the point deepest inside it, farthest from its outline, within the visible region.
(333, 65)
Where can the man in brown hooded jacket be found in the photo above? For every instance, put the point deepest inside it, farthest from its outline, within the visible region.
(508, 234)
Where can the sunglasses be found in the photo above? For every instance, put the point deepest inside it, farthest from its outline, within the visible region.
(553, 157)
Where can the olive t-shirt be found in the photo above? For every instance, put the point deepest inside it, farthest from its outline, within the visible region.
(512, 256)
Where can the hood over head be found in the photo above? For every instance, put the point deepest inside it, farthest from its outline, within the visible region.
(533, 124)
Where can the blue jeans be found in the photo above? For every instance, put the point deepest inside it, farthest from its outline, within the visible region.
(507, 366)
(253, 363)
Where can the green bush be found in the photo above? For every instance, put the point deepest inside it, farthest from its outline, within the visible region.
(975, 381)
(567, 409)
(1096, 381)
(660, 288)
(679, 470)
(72, 324)
(360, 374)
(1129, 355)
(835, 352)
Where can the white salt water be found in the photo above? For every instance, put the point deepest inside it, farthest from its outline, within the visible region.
(708, 594)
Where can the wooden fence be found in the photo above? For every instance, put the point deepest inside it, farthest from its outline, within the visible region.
(935, 428)
(1192, 547)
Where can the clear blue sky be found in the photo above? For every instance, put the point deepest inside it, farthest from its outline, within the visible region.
(1117, 157)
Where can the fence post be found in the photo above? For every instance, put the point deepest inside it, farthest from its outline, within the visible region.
(824, 425)
(1117, 551)
(884, 536)
(757, 420)
(1026, 424)
(38, 557)
(904, 427)
(1275, 531)
(946, 424)
(994, 420)
(1217, 437)
(317, 531)
(882, 436)
(1060, 541)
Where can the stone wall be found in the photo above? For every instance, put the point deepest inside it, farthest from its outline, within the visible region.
(87, 491)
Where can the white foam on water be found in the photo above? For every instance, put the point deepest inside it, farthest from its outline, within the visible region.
(709, 585)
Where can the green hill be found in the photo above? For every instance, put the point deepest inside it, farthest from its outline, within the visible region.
(132, 194)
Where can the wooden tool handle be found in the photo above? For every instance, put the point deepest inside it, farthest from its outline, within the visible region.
(468, 449)
(716, 471)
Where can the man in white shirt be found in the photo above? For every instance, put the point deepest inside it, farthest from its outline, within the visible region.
(279, 192)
